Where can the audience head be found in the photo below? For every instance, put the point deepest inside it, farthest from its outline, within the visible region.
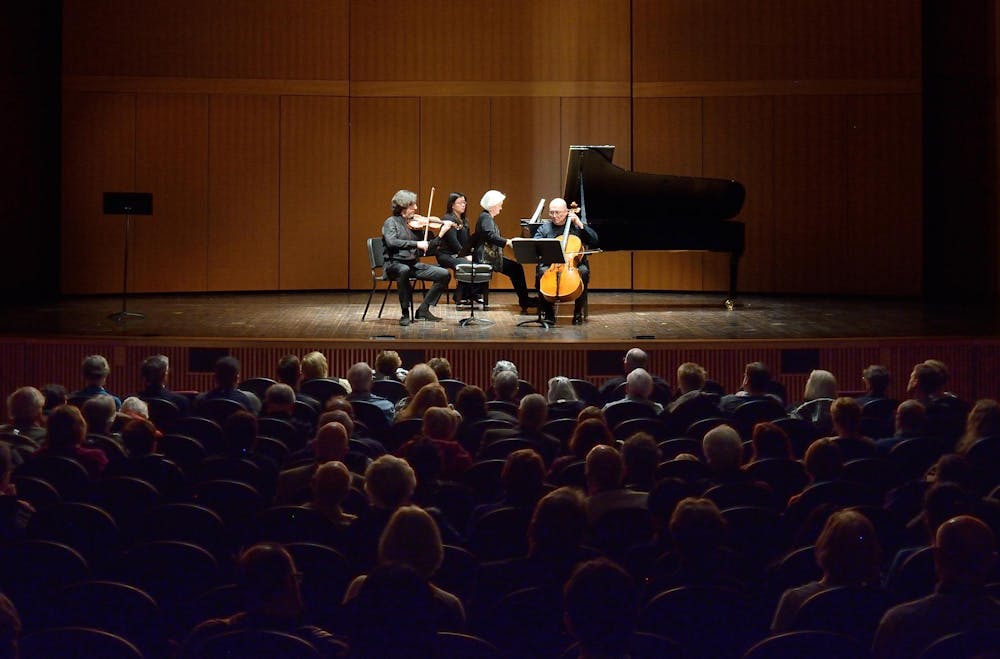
(823, 460)
(925, 381)
(983, 421)
(239, 432)
(876, 379)
(954, 468)
(389, 482)
(604, 469)
(361, 378)
(756, 377)
(392, 615)
(314, 365)
(697, 528)
(427, 397)
(664, 497)
(770, 441)
(227, 372)
(332, 442)
(155, 369)
(587, 435)
(500, 367)
(441, 367)
(635, 358)
(560, 388)
(848, 550)
(290, 370)
(441, 423)
(600, 602)
(591, 412)
(471, 403)
(533, 413)
(339, 403)
(523, 475)
(942, 501)
(641, 455)
(388, 363)
(66, 428)
(964, 552)
(942, 370)
(55, 395)
(279, 397)
(419, 376)
(139, 437)
(639, 383)
(559, 522)
(505, 386)
(330, 484)
(268, 581)
(690, 377)
(723, 449)
(910, 417)
(412, 538)
(99, 413)
(821, 384)
(95, 369)
(135, 407)
(25, 406)
(424, 459)
(846, 416)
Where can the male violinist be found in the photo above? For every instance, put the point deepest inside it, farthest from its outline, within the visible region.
(555, 227)
(405, 243)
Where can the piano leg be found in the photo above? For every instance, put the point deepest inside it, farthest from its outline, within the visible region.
(734, 266)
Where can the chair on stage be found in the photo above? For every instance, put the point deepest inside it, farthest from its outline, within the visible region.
(376, 261)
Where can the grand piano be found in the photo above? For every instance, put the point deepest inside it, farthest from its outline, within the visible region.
(640, 211)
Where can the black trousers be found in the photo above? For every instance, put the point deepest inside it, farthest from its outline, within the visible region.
(515, 272)
(401, 271)
(548, 309)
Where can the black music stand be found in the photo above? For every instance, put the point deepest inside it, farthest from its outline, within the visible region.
(127, 204)
(538, 251)
(473, 273)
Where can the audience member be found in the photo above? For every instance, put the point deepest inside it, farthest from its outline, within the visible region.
(562, 398)
(290, 372)
(14, 512)
(909, 423)
(279, 403)
(95, 370)
(362, 378)
(330, 485)
(427, 397)
(532, 414)
(694, 402)
(506, 387)
(877, 380)
(331, 444)
(601, 607)
(471, 404)
(269, 587)
(983, 421)
(441, 367)
(756, 381)
(817, 397)
(155, 371)
(25, 413)
(134, 407)
(847, 551)
(964, 558)
(523, 480)
(315, 366)
(605, 472)
(845, 413)
(587, 434)
(227, 376)
(638, 389)
(55, 395)
(824, 462)
(389, 484)
(634, 358)
(440, 424)
(388, 366)
(392, 615)
(723, 454)
(67, 432)
(770, 441)
(419, 376)
(642, 456)
(99, 414)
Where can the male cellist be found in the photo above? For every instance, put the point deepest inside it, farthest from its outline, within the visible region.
(555, 227)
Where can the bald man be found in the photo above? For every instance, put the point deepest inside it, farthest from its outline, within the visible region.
(555, 227)
(965, 559)
(331, 443)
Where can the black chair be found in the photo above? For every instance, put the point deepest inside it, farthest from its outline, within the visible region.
(969, 644)
(500, 449)
(111, 447)
(619, 529)
(528, 623)
(67, 475)
(748, 414)
(819, 644)
(36, 491)
(257, 386)
(817, 412)
(911, 458)
(163, 413)
(652, 426)
(786, 477)
(755, 532)
(586, 391)
(158, 470)
(236, 502)
(322, 389)
(281, 430)
(187, 522)
(853, 611)
(880, 408)
(219, 409)
(745, 493)
(182, 571)
(483, 478)
(984, 456)
(572, 475)
(688, 470)
(917, 576)
(642, 645)
(457, 573)
(395, 391)
(275, 449)
(524, 388)
(801, 433)
(455, 645)
(222, 467)
(504, 406)
(877, 473)
(206, 431)
(795, 568)
(295, 524)
(671, 448)
(32, 572)
(219, 602)
(562, 429)
(500, 534)
(707, 621)
(698, 429)
(373, 417)
(326, 573)
(184, 451)
(76, 642)
(376, 261)
(114, 607)
(257, 643)
(84, 527)
(625, 410)
(127, 499)
(402, 431)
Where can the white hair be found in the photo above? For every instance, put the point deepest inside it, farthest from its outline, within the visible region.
(491, 199)
(136, 406)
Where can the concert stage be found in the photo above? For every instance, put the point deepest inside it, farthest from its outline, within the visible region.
(792, 335)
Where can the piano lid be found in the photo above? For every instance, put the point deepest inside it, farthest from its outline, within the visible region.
(612, 194)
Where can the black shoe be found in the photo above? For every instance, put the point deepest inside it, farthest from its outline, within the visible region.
(549, 318)
(529, 303)
(425, 314)
(404, 320)
(578, 318)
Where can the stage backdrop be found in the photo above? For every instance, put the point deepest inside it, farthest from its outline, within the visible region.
(272, 133)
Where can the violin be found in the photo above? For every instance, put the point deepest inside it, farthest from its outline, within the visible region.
(419, 222)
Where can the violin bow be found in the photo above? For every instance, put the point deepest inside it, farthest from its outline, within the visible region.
(430, 205)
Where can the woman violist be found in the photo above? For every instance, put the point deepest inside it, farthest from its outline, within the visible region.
(492, 203)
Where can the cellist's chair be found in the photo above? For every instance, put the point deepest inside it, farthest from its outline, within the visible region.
(376, 261)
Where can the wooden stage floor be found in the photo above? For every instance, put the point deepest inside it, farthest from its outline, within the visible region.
(614, 317)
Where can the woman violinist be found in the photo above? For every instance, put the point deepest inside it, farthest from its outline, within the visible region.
(452, 242)
(576, 265)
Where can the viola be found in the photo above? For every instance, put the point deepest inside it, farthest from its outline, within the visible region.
(420, 223)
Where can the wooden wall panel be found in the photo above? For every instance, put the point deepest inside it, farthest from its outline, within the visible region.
(816, 247)
(720, 40)
(98, 155)
(454, 150)
(170, 247)
(385, 156)
(286, 39)
(243, 193)
(601, 121)
(883, 195)
(314, 185)
(738, 144)
(508, 40)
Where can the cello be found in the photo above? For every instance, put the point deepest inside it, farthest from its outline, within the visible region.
(562, 281)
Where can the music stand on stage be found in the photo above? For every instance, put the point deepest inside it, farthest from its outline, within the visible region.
(473, 273)
(538, 251)
(127, 204)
